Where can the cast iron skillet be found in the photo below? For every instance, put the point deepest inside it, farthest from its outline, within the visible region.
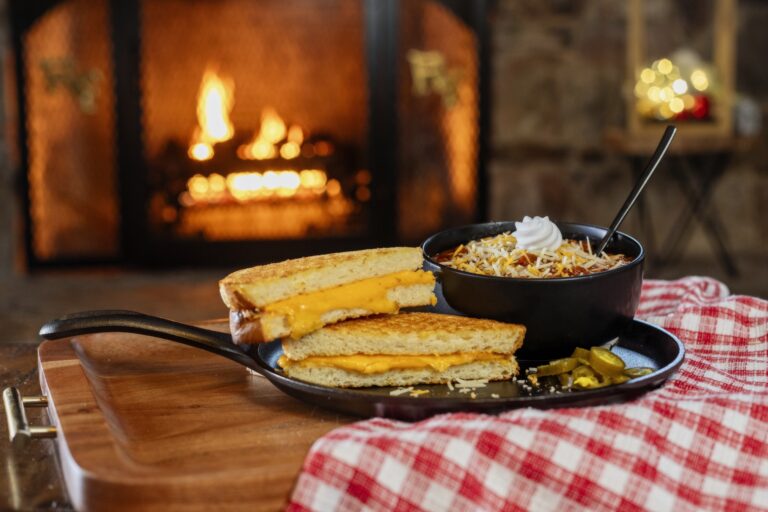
(641, 345)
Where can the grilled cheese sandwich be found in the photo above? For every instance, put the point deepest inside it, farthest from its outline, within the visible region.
(295, 297)
(404, 350)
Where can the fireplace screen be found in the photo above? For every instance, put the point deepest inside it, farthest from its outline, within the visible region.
(70, 115)
(439, 116)
(236, 131)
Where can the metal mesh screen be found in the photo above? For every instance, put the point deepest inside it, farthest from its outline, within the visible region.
(70, 108)
(438, 142)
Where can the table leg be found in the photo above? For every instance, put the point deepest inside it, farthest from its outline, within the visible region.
(680, 231)
(696, 182)
(713, 227)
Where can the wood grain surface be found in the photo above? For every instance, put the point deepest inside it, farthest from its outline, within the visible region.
(146, 424)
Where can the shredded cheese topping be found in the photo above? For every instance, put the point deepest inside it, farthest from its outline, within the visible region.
(401, 391)
(499, 256)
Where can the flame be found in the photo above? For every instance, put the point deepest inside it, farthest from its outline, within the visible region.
(201, 151)
(266, 142)
(257, 149)
(248, 186)
(214, 103)
(272, 126)
(209, 189)
(292, 148)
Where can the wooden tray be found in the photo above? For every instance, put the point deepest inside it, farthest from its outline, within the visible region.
(145, 424)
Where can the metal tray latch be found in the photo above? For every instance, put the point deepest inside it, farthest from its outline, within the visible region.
(19, 430)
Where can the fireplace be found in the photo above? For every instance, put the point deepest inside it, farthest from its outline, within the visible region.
(234, 131)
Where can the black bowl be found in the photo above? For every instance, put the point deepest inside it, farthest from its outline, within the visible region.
(559, 313)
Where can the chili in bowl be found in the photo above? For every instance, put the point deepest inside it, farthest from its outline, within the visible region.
(581, 302)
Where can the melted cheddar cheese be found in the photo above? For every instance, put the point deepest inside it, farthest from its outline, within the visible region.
(305, 311)
(368, 364)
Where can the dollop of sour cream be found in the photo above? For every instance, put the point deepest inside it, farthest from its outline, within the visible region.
(537, 233)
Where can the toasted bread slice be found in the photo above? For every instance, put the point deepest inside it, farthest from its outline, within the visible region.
(405, 349)
(336, 377)
(406, 334)
(256, 287)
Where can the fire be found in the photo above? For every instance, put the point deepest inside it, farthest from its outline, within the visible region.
(248, 186)
(274, 139)
(266, 143)
(214, 103)
(292, 148)
(201, 151)
(272, 126)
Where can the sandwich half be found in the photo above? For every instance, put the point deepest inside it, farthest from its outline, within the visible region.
(295, 297)
(404, 350)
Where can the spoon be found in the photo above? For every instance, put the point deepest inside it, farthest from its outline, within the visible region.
(661, 150)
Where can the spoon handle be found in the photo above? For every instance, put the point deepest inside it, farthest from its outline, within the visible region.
(661, 150)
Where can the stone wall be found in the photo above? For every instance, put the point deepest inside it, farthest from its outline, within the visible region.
(558, 76)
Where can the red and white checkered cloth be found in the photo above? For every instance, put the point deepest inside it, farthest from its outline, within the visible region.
(698, 443)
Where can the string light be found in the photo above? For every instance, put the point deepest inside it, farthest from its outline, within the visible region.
(662, 92)
(665, 66)
(648, 76)
(699, 80)
(676, 105)
(680, 86)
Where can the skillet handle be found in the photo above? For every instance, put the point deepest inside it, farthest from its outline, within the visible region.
(87, 322)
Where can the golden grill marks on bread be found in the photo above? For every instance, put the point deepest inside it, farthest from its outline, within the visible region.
(256, 287)
(404, 349)
(408, 333)
(295, 297)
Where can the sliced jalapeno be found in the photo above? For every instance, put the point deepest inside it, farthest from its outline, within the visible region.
(584, 377)
(566, 380)
(587, 369)
(580, 353)
(605, 362)
(557, 367)
(619, 379)
(634, 373)
(583, 371)
(588, 383)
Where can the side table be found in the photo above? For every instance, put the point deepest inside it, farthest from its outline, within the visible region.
(697, 165)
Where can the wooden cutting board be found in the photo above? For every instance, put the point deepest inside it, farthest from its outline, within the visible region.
(146, 424)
